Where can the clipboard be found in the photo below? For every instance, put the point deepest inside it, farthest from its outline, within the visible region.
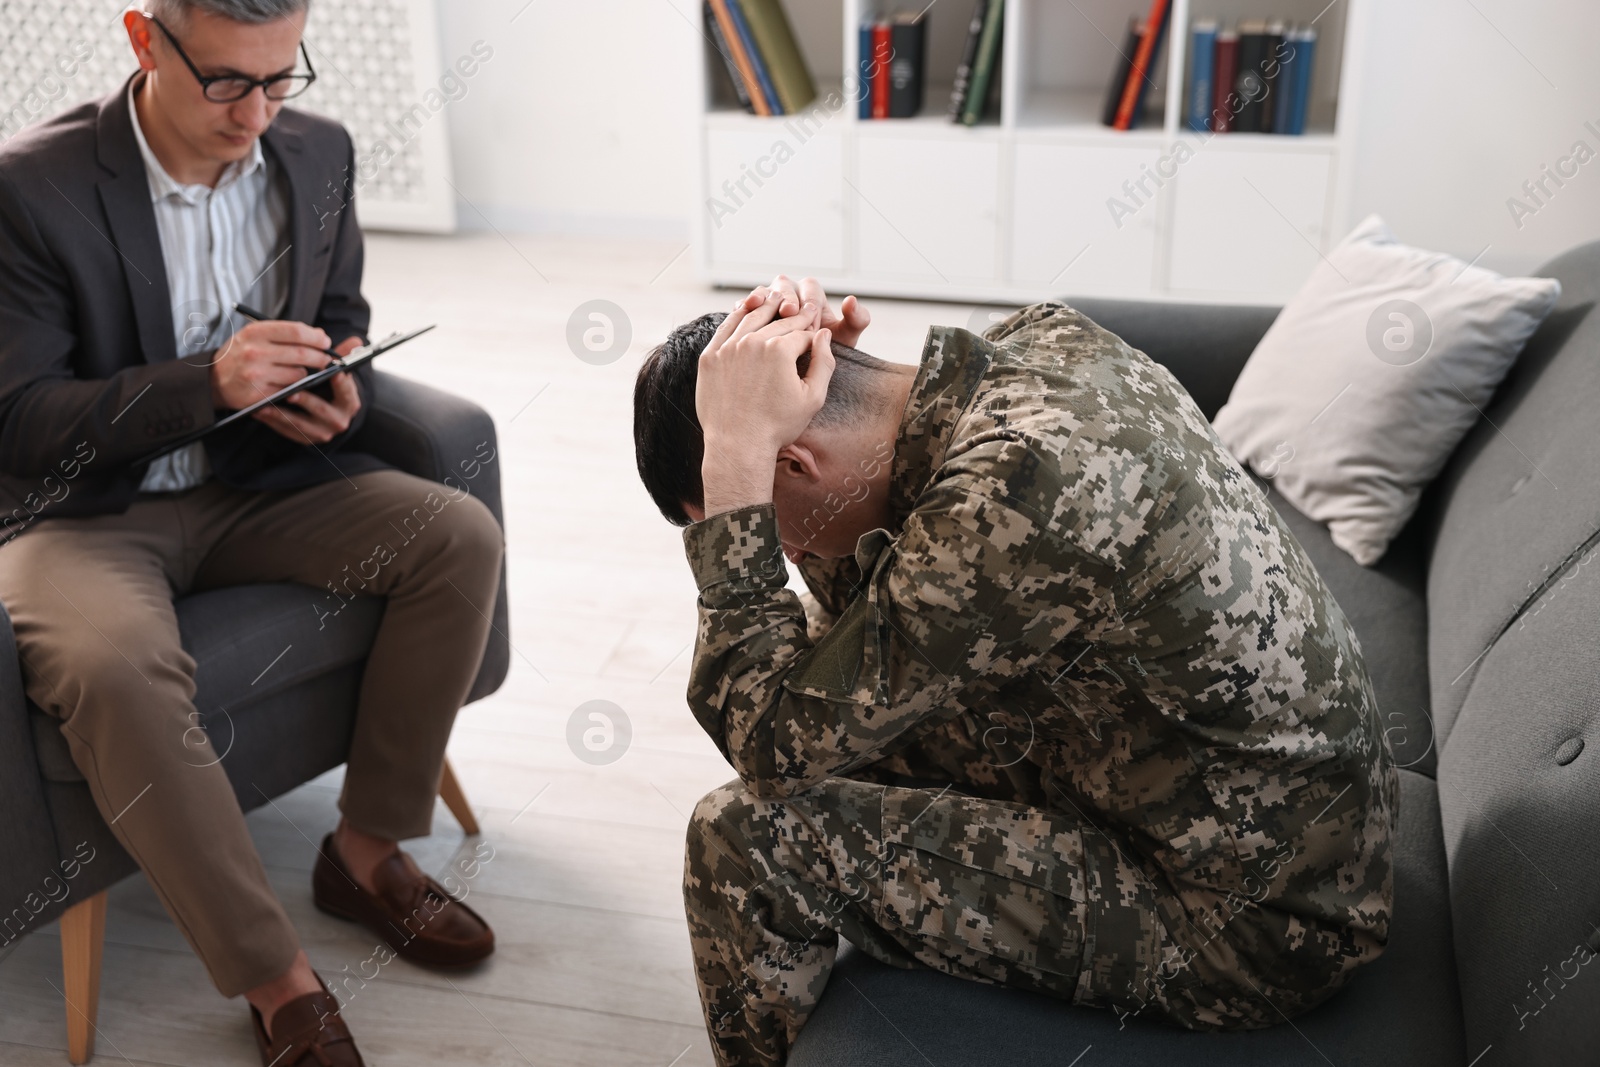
(364, 354)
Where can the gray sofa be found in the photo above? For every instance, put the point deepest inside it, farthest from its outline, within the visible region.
(278, 729)
(1481, 628)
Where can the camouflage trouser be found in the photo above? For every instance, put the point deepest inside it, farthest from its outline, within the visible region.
(988, 890)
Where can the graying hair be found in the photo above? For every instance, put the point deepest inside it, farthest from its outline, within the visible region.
(175, 13)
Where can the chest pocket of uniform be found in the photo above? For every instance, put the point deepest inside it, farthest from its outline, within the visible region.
(844, 665)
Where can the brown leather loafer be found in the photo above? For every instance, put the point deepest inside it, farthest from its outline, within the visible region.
(307, 1032)
(410, 911)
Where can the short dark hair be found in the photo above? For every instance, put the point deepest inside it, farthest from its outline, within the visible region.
(668, 443)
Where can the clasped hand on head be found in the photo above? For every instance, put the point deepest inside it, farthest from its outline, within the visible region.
(750, 395)
(749, 392)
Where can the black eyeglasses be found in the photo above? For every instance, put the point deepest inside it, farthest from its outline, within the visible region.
(227, 88)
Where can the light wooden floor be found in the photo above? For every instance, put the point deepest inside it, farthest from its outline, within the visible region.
(583, 884)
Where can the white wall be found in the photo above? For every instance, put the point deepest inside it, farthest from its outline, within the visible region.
(584, 120)
(1466, 100)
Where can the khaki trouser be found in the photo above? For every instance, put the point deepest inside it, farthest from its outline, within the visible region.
(91, 601)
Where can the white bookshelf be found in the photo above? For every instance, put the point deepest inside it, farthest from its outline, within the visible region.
(1015, 209)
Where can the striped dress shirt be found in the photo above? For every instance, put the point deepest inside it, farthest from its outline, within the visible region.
(221, 246)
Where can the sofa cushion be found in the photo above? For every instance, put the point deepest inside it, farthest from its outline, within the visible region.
(1400, 348)
(249, 642)
(1519, 782)
(1387, 605)
(1520, 499)
(1401, 1009)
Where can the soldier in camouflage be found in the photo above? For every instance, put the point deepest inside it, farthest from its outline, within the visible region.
(1072, 712)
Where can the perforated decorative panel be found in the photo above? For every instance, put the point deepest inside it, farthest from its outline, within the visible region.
(379, 73)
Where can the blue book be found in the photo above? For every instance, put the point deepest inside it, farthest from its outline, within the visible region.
(864, 61)
(1305, 47)
(1200, 67)
(736, 13)
(1283, 87)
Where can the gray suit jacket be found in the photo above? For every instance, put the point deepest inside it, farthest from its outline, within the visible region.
(89, 375)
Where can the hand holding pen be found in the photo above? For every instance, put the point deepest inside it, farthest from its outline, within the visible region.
(255, 316)
(322, 419)
(267, 355)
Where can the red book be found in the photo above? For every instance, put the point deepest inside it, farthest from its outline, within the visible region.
(882, 52)
(1153, 25)
(1224, 68)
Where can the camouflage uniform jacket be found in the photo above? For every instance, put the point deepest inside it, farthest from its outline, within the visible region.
(1087, 605)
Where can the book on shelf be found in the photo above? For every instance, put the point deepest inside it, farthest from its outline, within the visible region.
(985, 64)
(1283, 88)
(1248, 84)
(866, 67)
(1224, 69)
(969, 56)
(1304, 43)
(734, 80)
(882, 55)
(775, 43)
(1259, 77)
(906, 40)
(1271, 70)
(725, 38)
(1124, 67)
(757, 44)
(1146, 84)
(1201, 54)
(761, 84)
(891, 60)
(1130, 105)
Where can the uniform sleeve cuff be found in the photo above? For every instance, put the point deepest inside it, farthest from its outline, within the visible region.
(739, 548)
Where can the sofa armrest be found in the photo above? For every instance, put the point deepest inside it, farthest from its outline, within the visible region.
(444, 438)
(27, 832)
(1203, 345)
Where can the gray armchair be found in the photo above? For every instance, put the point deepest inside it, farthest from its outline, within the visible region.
(276, 734)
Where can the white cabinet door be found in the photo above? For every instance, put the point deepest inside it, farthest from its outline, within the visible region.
(1248, 225)
(1085, 218)
(774, 203)
(927, 208)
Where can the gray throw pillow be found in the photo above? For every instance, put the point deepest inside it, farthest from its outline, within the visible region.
(1370, 377)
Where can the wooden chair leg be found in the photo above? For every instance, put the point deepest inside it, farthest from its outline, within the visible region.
(456, 801)
(83, 935)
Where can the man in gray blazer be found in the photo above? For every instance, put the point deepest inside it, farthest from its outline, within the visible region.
(129, 228)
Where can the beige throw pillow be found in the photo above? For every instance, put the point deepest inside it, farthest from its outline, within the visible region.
(1370, 377)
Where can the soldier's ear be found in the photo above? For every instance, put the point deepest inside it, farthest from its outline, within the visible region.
(798, 461)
